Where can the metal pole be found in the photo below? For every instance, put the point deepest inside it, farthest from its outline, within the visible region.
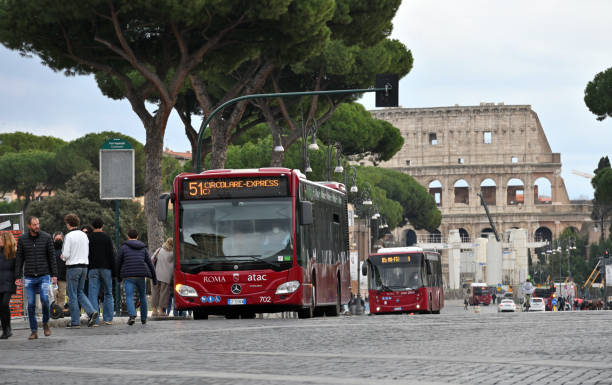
(117, 288)
(205, 123)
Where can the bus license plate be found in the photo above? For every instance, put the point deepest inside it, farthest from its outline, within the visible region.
(236, 301)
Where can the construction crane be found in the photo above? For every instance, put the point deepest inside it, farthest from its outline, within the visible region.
(482, 201)
(589, 282)
(584, 174)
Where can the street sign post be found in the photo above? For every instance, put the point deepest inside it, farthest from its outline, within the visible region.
(117, 181)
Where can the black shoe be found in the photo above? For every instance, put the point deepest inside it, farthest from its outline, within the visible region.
(143, 321)
(4, 334)
(131, 320)
(71, 326)
(92, 318)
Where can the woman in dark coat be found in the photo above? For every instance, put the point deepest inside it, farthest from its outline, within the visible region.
(8, 248)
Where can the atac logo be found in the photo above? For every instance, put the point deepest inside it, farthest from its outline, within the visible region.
(213, 279)
(257, 277)
(236, 277)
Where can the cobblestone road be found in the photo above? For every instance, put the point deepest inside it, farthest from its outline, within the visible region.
(455, 347)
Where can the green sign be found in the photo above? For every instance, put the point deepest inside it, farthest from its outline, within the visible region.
(116, 144)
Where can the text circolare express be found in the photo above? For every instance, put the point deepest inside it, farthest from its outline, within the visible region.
(235, 187)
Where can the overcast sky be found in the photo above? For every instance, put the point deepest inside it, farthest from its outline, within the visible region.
(465, 52)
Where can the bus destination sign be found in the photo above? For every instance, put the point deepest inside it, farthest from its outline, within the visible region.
(242, 187)
(386, 259)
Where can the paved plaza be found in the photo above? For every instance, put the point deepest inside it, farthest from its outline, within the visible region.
(455, 347)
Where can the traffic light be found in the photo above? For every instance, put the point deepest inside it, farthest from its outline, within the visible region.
(388, 97)
(606, 254)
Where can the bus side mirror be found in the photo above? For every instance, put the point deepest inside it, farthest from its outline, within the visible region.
(162, 207)
(364, 269)
(305, 213)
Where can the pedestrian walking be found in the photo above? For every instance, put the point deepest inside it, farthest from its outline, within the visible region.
(494, 297)
(163, 260)
(76, 255)
(35, 261)
(466, 302)
(134, 265)
(8, 249)
(101, 270)
(58, 243)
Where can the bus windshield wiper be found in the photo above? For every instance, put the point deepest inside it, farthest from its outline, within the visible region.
(260, 259)
(385, 288)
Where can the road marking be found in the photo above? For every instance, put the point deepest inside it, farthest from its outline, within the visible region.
(215, 374)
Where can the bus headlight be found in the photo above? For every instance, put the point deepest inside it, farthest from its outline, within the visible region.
(185, 291)
(288, 287)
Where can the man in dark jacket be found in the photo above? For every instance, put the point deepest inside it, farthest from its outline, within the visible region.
(101, 270)
(134, 265)
(36, 262)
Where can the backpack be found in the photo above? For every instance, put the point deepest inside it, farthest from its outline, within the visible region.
(56, 311)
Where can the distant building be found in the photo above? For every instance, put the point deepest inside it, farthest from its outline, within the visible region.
(182, 157)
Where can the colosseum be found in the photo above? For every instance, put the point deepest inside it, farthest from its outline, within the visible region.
(498, 150)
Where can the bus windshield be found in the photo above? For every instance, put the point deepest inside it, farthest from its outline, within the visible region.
(396, 276)
(235, 234)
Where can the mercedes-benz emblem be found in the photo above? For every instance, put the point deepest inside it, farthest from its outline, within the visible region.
(236, 289)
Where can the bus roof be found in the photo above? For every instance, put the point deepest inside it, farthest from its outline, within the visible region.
(387, 250)
(479, 284)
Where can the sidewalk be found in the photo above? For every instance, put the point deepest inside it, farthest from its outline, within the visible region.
(22, 323)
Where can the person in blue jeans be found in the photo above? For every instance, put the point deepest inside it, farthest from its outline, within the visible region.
(76, 255)
(134, 265)
(101, 270)
(35, 260)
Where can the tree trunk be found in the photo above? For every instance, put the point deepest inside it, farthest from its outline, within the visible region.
(219, 146)
(277, 158)
(153, 171)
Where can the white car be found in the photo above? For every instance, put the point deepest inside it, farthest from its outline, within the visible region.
(537, 304)
(506, 305)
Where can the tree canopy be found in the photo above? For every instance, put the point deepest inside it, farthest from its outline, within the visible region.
(598, 94)
(152, 48)
(24, 141)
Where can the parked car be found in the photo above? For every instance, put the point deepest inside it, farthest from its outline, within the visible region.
(537, 304)
(506, 305)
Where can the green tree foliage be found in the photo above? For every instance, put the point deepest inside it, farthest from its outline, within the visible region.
(598, 95)
(360, 134)
(28, 174)
(419, 207)
(82, 197)
(602, 183)
(24, 141)
(171, 167)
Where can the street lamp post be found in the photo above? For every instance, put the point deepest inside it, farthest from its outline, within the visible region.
(312, 146)
(338, 169)
(366, 202)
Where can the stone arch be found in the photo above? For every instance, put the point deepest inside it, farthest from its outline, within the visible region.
(488, 188)
(516, 192)
(461, 190)
(542, 191)
(464, 235)
(411, 237)
(435, 189)
(543, 233)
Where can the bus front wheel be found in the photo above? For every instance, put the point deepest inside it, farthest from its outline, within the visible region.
(309, 311)
(334, 311)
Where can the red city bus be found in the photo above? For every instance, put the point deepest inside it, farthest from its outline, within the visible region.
(259, 240)
(481, 294)
(404, 279)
